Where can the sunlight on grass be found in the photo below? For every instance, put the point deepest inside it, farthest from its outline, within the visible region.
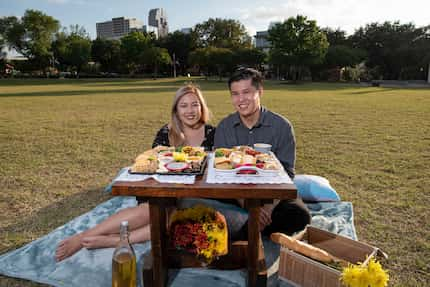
(62, 141)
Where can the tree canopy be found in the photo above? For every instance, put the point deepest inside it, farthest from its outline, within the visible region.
(107, 53)
(72, 49)
(133, 47)
(31, 35)
(297, 42)
(394, 49)
(179, 46)
(299, 49)
(222, 33)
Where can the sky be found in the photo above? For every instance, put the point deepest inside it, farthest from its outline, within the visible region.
(255, 15)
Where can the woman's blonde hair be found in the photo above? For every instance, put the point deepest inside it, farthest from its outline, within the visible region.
(176, 128)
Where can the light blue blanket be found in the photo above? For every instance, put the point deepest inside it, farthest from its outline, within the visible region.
(35, 261)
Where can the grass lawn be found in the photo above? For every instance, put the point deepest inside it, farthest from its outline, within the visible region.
(62, 141)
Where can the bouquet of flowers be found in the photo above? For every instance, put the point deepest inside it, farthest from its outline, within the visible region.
(370, 275)
(200, 230)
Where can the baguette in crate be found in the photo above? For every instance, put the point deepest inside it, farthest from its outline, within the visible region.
(315, 257)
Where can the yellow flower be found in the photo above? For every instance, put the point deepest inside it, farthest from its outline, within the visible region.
(371, 275)
(351, 276)
(379, 278)
(214, 240)
(374, 266)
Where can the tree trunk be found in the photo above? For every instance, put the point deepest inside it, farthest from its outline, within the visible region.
(297, 74)
(428, 74)
(155, 71)
(219, 74)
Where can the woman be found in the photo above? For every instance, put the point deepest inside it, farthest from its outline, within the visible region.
(188, 126)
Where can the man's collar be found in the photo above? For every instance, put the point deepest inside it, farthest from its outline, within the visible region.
(236, 119)
(263, 120)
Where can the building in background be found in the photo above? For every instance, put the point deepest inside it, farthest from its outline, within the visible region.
(261, 41)
(186, 30)
(118, 27)
(157, 18)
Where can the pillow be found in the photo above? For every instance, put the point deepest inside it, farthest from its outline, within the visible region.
(313, 188)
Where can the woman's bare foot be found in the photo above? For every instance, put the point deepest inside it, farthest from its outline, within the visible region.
(68, 247)
(100, 241)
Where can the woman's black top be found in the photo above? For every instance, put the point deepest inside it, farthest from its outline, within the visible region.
(162, 137)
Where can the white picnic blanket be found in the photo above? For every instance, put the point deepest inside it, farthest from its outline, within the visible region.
(124, 175)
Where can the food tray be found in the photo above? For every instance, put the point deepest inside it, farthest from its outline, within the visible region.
(197, 172)
(258, 171)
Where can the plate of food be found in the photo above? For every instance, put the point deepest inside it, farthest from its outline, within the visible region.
(245, 160)
(185, 160)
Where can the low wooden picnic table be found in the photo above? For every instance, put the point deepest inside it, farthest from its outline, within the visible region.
(163, 195)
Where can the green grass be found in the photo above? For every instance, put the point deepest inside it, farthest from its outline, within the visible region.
(62, 141)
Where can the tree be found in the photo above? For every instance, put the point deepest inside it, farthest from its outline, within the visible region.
(107, 53)
(72, 49)
(335, 37)
(222, 33)
(6, 23)
(340, 56)
(220, 59)
(179, 46)
(133, 46)
(199, 58)
(212, 59)
(78, 52)
(32, 36)
(156, 57)
(250, 57)
(59, 49)
(340, 52)
(297, 43)
(392, 48)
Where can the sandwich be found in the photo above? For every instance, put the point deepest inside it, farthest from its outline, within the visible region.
(145, 164)
(222, 163)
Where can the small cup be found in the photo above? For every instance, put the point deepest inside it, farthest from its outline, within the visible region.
(263, 147)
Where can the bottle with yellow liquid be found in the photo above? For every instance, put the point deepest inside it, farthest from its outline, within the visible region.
(124, 261)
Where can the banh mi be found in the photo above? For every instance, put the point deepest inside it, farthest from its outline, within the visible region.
(249, 159)
(236, 158)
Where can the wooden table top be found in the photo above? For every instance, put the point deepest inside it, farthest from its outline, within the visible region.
(152, 188)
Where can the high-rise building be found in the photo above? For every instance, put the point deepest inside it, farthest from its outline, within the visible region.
(158, 18)
(118, 27)
(261, 41)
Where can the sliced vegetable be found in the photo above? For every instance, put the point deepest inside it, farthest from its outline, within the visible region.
(260, 165)
(219, 153)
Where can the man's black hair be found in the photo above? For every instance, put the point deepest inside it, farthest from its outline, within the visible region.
(243, 73)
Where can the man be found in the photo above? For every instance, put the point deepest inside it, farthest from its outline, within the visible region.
(252, 123)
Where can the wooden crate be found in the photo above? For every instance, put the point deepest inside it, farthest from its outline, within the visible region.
(300, 270)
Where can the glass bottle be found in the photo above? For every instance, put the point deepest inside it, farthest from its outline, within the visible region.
(124, 261)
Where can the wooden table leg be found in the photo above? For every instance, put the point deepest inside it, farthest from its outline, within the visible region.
(157, 213)
(148, 274)
(257, 273)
